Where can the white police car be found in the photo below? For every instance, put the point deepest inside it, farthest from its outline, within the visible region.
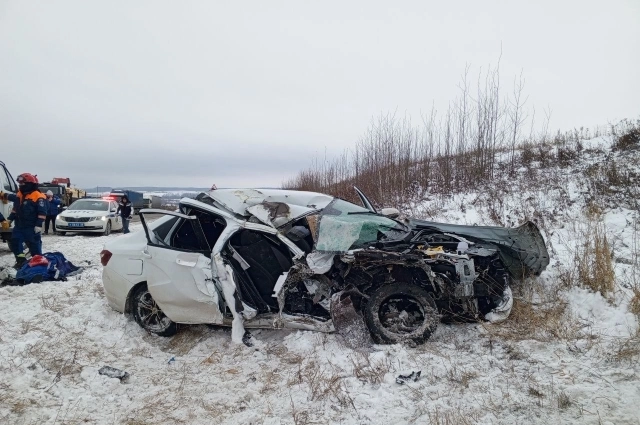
(89, 215)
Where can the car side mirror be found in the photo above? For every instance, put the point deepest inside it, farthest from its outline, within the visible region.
(113, 210)
(390, 212)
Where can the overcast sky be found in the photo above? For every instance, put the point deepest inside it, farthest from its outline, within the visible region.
(132, 93)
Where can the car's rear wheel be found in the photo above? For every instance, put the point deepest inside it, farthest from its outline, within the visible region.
(401, 312)
(107, 229)
(149, 315)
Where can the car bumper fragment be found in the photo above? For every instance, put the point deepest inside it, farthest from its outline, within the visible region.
(502, 311)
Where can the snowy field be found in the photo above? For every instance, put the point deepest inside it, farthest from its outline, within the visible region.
(572, 361)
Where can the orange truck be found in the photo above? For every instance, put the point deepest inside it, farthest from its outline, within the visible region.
(61, 186)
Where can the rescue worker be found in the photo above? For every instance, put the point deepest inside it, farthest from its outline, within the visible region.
(125, 211)
(52, 211)
(29, 212)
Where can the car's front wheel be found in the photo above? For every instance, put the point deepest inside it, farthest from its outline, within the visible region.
(107, 229)
(149, 315)
(400, 312)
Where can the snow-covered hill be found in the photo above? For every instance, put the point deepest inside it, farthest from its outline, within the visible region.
(567, 354)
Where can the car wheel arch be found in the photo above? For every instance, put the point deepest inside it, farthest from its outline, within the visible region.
(128, 303)
(411, 274)
(417, 276)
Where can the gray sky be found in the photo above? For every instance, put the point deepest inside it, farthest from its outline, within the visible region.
(243, 93)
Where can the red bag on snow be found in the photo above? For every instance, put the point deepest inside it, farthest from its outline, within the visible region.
(38, 260)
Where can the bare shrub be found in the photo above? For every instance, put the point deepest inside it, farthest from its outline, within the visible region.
(535, 392)
(630, 138)
(396, 161)
(567, 155)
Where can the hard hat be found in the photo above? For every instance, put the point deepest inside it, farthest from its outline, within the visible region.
(27, 178)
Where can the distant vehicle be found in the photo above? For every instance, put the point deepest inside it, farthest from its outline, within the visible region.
(64, 181)
(61, 186)
(136, 198)
(89, 215)
(7, 185)
(152, 201)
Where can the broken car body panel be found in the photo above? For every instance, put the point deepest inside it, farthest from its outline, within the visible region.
(522, 249)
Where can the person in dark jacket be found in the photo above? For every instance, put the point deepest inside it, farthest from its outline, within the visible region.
(52, 212)
(29, 212)
(125, 210)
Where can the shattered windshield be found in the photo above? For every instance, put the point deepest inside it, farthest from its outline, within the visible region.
(344, 226)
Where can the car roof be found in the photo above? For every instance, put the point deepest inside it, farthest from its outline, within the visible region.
(238, 200)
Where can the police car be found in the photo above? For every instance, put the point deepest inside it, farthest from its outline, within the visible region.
(89, 215)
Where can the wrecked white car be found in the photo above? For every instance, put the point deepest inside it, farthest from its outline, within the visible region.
(277, 258)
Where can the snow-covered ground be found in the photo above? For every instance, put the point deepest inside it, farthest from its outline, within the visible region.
(572, 365)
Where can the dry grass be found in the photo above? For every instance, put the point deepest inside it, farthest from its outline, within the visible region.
(319, 382)
(594, 260)
(461, 376)
(439, 416)
(634, 304)
(539, 314)
(366, 370)
(563, 400)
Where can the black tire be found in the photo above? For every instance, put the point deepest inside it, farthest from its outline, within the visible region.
(400, 312)
(107, 230)
(149, 316)
(61, 233)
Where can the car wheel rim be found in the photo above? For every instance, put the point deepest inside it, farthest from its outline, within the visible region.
(151, 317)
(401, 315)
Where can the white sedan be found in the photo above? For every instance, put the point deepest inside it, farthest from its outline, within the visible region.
(250, 258)
(89, 215)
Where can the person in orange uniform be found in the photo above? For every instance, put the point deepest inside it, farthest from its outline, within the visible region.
(29, 212)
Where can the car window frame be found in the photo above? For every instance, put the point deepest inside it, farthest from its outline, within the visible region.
(10, 184)
(194, 222)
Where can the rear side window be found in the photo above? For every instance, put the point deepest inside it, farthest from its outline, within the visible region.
(163, 229)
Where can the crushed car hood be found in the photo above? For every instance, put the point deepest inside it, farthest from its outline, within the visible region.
(522, 249)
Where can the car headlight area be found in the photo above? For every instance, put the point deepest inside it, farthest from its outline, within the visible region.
(81, 224)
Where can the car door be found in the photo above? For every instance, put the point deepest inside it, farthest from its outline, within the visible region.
(117, 220)
(179, 278)
(7, 185)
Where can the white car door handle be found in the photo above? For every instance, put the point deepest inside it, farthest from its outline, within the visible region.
(145, 253)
